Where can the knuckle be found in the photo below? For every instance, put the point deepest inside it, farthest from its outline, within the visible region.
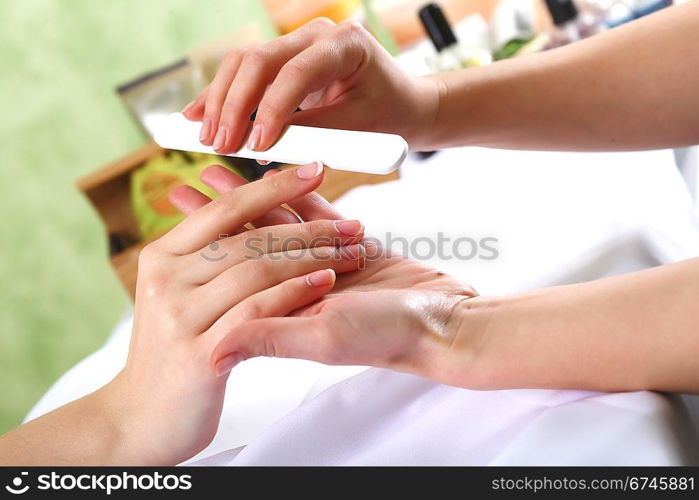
(271, 111)
(320, 22)
(233, 54)
(317, 232)
(256, 55)
(294, 69)
(155, 283)
(269, 346)
(278, 182)
(260, 267)
(253, 244)
(229, 109)
(351, 28)
(250, 310)
(149, 256)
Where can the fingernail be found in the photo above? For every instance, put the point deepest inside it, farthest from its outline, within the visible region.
(349, 227)
(225, 365)
(220, 139)
(321, 278)
(351, 252)
(309, 171)
(205, 129)
(254, 139)
(188, 107)
(270, 173)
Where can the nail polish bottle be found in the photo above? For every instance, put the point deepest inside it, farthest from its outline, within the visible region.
(569, 26)
(450, 54)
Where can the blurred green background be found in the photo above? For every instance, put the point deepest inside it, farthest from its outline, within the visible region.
(60, 63)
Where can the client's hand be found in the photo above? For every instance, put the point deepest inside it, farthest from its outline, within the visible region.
(391, 314)
(192, 293)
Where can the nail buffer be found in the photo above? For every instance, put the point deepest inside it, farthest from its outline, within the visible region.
(368, 152)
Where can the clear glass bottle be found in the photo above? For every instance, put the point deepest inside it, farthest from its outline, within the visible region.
(569, 25)
(450, 54)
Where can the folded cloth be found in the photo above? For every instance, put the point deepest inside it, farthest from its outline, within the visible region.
(558, 218)
(386, 418)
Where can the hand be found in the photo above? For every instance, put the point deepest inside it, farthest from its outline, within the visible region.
(338, 75)
(391, 314)
(168, 398)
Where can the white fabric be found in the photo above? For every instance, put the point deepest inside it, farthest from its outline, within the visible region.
(559, 218)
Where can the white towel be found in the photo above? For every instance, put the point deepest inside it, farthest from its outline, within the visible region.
(559, 218)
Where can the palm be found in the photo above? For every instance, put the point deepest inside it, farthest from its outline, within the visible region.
(360, 312)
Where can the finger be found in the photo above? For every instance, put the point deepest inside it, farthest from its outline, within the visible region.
(277, 301)
(239, 282)
(222, 180)
(218, 257)
(240, 206)
(217, 94)
(289, 337)
(311, 70)
(258, 68)
(188, 199)
(194, 111)
(311, 206)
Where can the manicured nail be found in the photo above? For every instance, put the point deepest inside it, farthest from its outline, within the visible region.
(309, 171)
(321, 278)
(352, 252)
(225, 365)
(254, 139)
(349, 227)
(220, 139)
(205, 130)
(188, 107)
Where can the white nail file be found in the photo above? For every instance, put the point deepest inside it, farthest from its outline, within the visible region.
(369, 152)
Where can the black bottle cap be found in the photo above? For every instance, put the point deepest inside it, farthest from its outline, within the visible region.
(437, 26)
(562, 11)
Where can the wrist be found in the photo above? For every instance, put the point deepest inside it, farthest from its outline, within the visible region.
(461, 356)
(124, 428)
(430, 93)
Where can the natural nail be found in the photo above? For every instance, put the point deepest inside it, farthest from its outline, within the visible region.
(321, 278)
(254, 139)
(220, 139)
(349, 227)
(309, 171)
(205, 130)
(225, 365)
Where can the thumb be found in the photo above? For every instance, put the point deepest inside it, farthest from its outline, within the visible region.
(287, 337)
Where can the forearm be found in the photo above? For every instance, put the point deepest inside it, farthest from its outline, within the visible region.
(631, 332)
(85, 432)
(634, 87)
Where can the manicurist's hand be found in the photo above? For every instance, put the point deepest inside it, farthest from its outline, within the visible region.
(394, 313)
(338, 75)
(165, 405)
